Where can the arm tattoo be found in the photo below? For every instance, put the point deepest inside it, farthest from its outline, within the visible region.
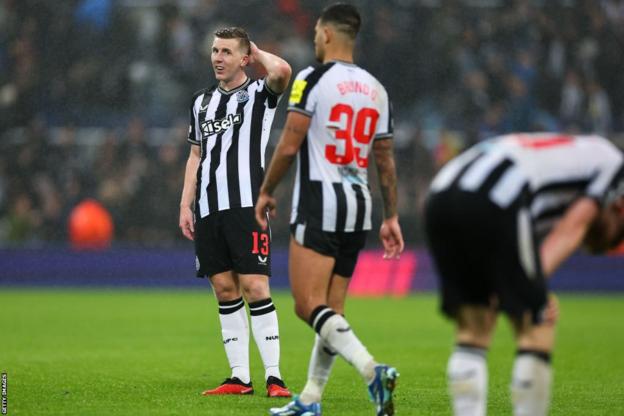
(295, 129)
(387, 180)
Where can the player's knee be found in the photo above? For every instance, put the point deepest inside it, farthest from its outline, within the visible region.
(475, 334)
(539, 338)
(478, 322)
(255, 290)
(225, 291)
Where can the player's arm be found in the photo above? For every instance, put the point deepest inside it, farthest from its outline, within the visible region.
(188, 193)
(290, 141)
(390, 232)
(278, 70)
(568, 234)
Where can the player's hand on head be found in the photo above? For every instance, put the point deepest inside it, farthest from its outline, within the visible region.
(265, 203)
(253, 52)
(391, 238)
(187, 225)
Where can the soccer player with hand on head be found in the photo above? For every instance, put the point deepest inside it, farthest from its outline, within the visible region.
(338, 112)
(500, 219)
(229, 130)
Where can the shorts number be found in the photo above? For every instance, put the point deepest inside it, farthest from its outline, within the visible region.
(260, 243)
(363, 131)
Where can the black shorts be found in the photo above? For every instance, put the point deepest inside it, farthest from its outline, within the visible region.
(481, 251)
(344, 247)
(232, 240)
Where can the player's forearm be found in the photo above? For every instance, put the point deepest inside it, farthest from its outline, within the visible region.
(389, 195)
(556, 249)
(567, 235)
(280, 164)
(386, 171)
(190, 183)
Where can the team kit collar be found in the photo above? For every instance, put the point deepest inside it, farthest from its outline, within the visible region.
(232, 91)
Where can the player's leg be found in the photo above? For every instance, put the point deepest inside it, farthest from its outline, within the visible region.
(250, 248)
(523, 297)
(309, 285)
(213, 260)
(323, 357)
(310, 274)
(264, 322)
(467, 366)
(265, 329)
(532, 373)
(381, 386)
(235, 333)
(459, 236)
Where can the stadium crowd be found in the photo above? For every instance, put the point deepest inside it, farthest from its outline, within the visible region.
(457, 71)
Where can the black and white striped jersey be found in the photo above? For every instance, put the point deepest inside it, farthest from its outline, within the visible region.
(550, 170)
(232, 128)
(348, 108)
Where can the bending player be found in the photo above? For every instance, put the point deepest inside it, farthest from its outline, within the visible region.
(500, 219)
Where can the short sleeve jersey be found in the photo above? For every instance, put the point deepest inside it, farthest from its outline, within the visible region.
(232, 129)
(550, 170)
(349, 109)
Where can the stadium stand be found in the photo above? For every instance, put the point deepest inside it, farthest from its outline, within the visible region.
(93, 93)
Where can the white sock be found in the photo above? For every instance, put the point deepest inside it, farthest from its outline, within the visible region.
(321, 363)
(266, 333)
(336, 332)
(235, 332)
(467, 381)
(531, 383)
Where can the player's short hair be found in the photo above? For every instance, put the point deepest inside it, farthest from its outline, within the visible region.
(235, 33)
(345, 17)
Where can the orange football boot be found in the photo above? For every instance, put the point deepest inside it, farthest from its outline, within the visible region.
(230, 386)
(276, 388)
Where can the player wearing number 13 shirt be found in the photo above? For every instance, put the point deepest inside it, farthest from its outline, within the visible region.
(229, 129)
(338, 114)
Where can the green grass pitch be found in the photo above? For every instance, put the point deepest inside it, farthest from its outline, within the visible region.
(138, 352)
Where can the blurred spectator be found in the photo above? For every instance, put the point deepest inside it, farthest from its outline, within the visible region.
(94, 14)
(20, 224)
(493, 123)
(520, 107)
(572, 100)
(598, 108)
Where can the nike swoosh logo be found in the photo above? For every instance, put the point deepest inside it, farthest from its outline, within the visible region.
(347, 329)
(204, 108)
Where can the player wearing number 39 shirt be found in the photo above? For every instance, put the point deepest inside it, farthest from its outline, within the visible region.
(338, 113)
(349, 111)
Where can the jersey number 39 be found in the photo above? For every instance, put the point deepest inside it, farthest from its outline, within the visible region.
(362, 131)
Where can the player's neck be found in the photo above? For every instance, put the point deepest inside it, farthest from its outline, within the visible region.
(341, 55)
(233, 83)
